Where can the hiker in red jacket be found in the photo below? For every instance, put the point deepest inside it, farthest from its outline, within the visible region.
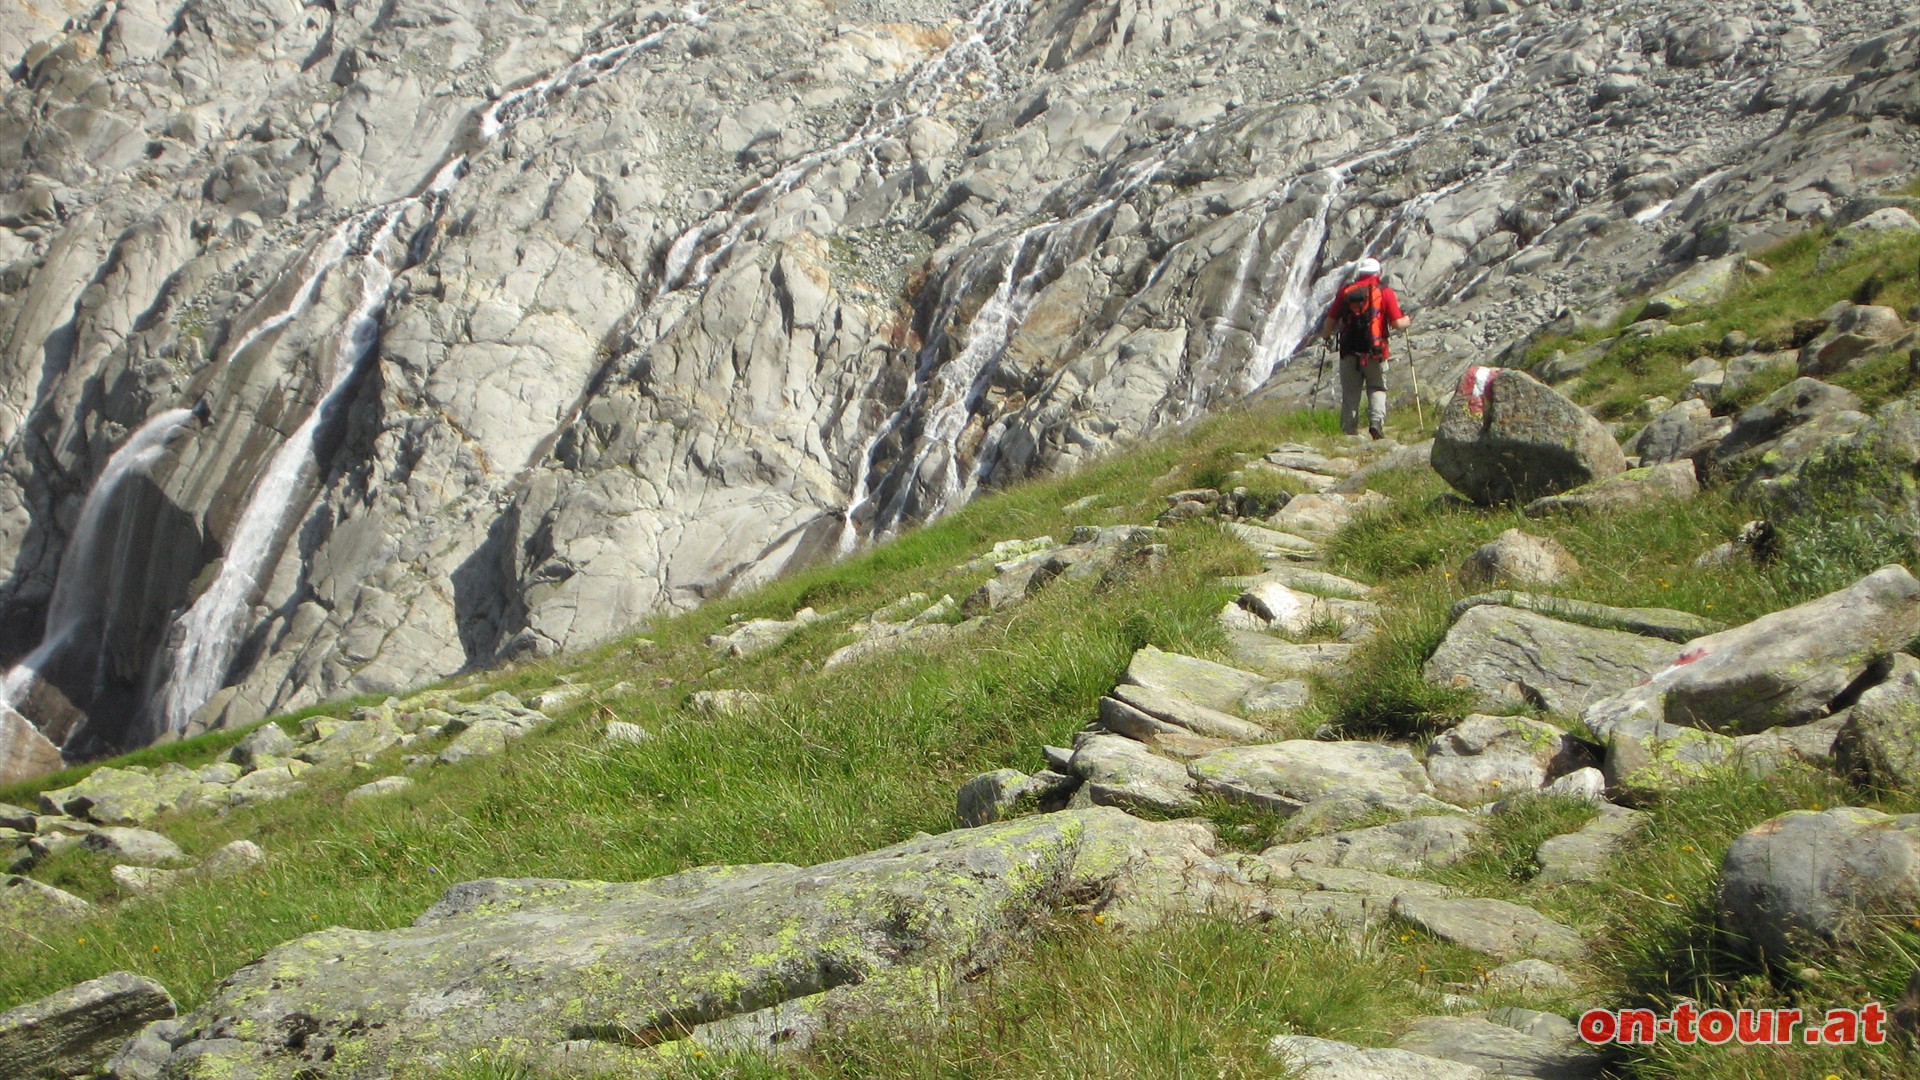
(1358, 322)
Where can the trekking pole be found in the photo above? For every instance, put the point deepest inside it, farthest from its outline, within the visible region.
(1419, 410)
(1313, 399)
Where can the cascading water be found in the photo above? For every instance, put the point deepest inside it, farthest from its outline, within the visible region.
(75, 606)
(944, 395)
(212, 628)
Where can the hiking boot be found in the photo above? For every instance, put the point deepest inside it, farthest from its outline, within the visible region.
(1374, 430)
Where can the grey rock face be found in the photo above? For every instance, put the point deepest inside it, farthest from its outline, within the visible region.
(72, 1032)
(500, 351)
(1787, 426)
(1121, 772)
(24, 751)
(1507, 437)
(24, 901)
(1782, 668)
(1808, 880)
(672, 955)
(1508, 656)
(1515, 558)
(1204, 682)
(1582, 855)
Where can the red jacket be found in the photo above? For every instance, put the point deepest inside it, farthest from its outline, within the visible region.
(1370, 337)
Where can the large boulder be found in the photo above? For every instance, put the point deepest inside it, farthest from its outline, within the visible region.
(1288, 775)
(130, 796)
(1512, 657)
(73, 1031)
(1812, 879)
(1707, 283)
(599, 978)
(1880, 743)
(1783, 668)
(1507, 437)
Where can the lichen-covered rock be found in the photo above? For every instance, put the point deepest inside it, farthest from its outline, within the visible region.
(1515, 558)
(1205, 682)
(1288, 775)
(1121, 772)
(1783, 668)
(24, 901)
(1786, 427)
(1698, 286)
(72, 1032)
(1880, 742)
(343, 742)
(1678, 626)
(1674, 481)
(1507, 437)
(263, 742)
(1809, 880)
(632, 975)
(1507, 657)
(1007, 793)
(1682, 431)
(130, 796)
(141, 847)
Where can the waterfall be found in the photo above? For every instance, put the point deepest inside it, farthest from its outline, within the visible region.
(212, 628)
(210, 631)
(78, 590)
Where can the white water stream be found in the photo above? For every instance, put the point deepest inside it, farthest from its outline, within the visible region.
(77, 591)
(211, 629)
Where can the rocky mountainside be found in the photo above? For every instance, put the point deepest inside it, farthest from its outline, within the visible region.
(347, 345)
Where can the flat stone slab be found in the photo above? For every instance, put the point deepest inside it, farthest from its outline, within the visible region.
(1307, 579)
(1204, 682)
(1197, 718)
(1343, 879)
(1278, 656)
(1288, 775)
(1121, 772)
(1664, 623)
(73, 1031)
(1398, 847)
(1502, 1051)
(1583, 855)
(1171, 740)
(1325, 1059)
(1264, 539)
(1502, 930)
(607, 978)
(1509, 657)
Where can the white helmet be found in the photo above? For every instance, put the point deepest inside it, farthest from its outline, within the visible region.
(1366, 266)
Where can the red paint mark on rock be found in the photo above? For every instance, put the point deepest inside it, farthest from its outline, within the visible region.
(1474, 386)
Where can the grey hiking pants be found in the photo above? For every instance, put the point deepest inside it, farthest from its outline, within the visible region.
(1353, 375)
